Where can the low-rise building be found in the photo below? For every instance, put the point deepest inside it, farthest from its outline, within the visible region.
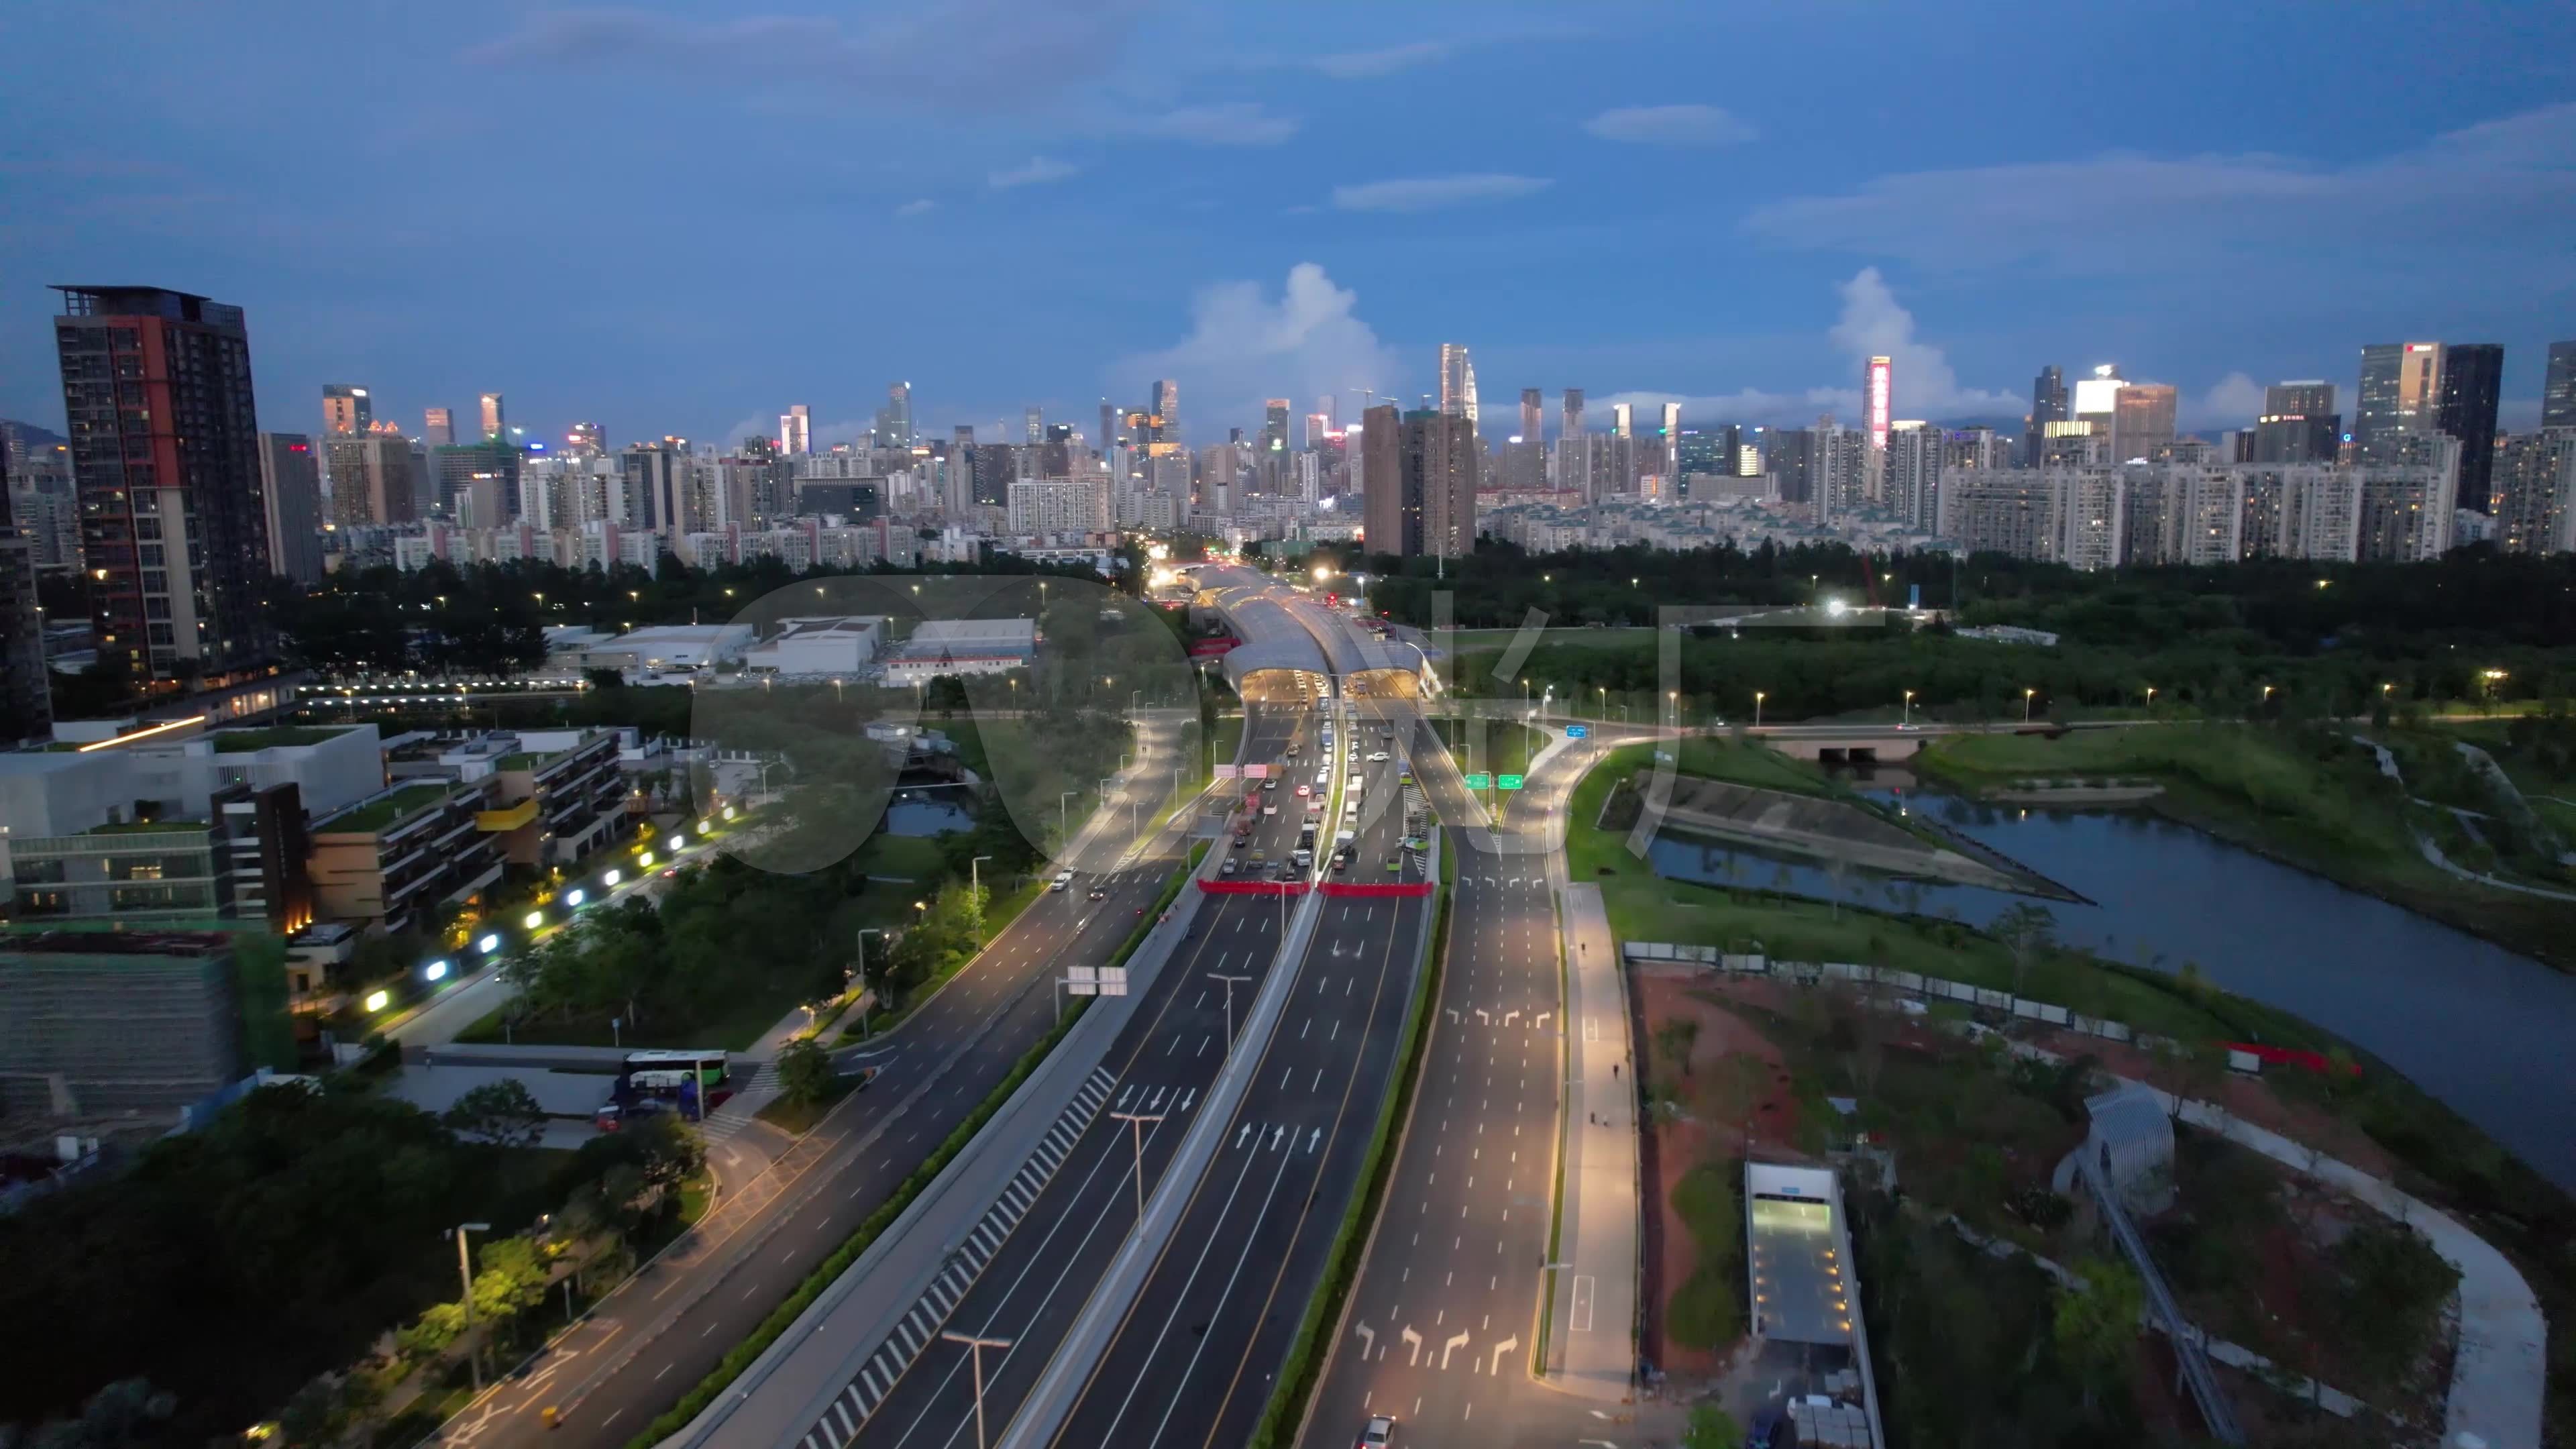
(817, 647)
(390, 860)
(961, 647)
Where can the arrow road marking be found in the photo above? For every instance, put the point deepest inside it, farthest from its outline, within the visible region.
(1504, 1347)
(1368, 1337)
(1454, 1344)
(1413, 1341)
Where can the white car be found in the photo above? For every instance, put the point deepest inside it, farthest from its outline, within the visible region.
(1061, 882)
(1379, 1433)
(1379, 757)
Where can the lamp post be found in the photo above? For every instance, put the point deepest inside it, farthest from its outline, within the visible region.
(1909, 708)
(465, 1280)
(1604, 692)
(1757, 709)
(1064, 817)
(1136, 1133)
(1229, 1002)
(864, 933)
(975, 1350)
(975, 891)
(2025, 704)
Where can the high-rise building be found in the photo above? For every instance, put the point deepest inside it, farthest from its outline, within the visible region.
(2299, 424)
(2400, 392)
(1376, 468)
(26, 696)
(1457, 381)
(1877, 399)
(437, 427)
(894, 421)
(290, 475)
(1913, 480)
(656, 479)
(2047, 405)
(1623, 421)
(2472, 386)
(2142, 421)
(494, 424)
(1108, 428)
(1274, 426)
(1421, 482)
(2558, 393)
(586, 440)
(1033, 425)
(165, 452)
(2535, 482)
(346, 408)
(1570, 421)
(373, 479)
(1668, 428)
(796, 431)
(1167, 406)
(1532, 422)
(2098, 396)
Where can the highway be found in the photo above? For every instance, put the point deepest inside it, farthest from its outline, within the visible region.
(1036, 1279)
(1194, 1358)
(1442, 1321)
(652, 1339)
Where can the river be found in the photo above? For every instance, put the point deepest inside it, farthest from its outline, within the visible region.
(2482, 1029)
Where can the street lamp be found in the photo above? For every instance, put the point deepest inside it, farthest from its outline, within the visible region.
(2151, 696)
(1604, 692)
(1064, 817)
(1229, 1002)
(1136, 1133)
(975, 1349)
(862, 973)
(1909, 708)
(465, 1277)
(2025, 704)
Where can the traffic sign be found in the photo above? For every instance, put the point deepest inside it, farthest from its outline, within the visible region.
(1480, 782)
(1509, 782)
(1576, 732)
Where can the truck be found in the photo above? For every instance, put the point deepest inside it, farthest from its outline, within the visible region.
(1353, 788)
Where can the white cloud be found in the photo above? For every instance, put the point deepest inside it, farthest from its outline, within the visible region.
(1871, 324)
(1921, 381)
(1684, 125)
(2235, 401)
(2125, 212)
(1039, 171)
(911, 209)
(1245, 346)
(1430, 193)
(1370, 64)
(1019, 51)
(1229, 123)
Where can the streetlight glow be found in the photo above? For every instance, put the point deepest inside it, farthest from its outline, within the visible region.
(612, 878)
(434, 971)
(574, 898)
(534, 920)
(379, 1000)
(488, 945)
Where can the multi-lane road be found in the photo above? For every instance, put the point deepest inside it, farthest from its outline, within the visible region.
(653, 1339)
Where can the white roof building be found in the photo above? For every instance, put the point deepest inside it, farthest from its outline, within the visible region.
(818, 646)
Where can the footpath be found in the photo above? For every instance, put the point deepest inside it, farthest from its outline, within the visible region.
(1592, 1310)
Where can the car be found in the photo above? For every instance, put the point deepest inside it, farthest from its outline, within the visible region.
(1305, 790)
(1063, 881)
(1394, 863)
(1241, 840)
(1227, 868)
(1099, 893)
(1378, 1433)
(1379, 757)
(1341, 861)
(1269, 785)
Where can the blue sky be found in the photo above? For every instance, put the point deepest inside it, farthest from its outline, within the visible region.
(683, 218)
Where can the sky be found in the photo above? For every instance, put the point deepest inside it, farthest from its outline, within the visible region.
(682, 219)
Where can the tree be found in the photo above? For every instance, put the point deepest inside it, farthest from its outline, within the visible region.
(2096, 1324)
(2029, 932)
(503, 1113)
(805, 1074)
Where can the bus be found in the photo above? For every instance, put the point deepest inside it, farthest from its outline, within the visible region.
(709, 1065)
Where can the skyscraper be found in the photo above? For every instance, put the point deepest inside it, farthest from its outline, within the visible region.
(796, 431)
(1421, 482)
(2142, 421)
(437, 427)
(586, 440)
(2558, 394)
(1623, 421)
(2047, 405)
(1457, 381)
(373, 479)
(2098, 396)
(2299, 424)
(1108, 429)
(165, 452)
(290, 475)
(1877, 401)
(1167, 406)
(1531, 421)
(1385, 520)
(2401, 391)
(1274, 426)
(1669, 428)
(894, 421)
(494, 424)
(2472, 385)
(1033, 425)
(346, 408)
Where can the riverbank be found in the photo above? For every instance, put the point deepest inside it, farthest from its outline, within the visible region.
(2318, 803)
(2440, 1156)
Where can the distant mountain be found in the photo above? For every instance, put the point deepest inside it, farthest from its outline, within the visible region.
(28, 438)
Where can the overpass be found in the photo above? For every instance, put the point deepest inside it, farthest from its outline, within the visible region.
(1284, 629)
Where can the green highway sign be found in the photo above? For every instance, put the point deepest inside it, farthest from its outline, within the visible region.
(1509, 782)
(1480, 782)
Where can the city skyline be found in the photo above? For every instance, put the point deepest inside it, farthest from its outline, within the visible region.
(1243, 294)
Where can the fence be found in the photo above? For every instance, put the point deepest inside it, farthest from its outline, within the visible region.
(1932, 988)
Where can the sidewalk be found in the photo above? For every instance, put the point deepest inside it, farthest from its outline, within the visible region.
(1592, 1314)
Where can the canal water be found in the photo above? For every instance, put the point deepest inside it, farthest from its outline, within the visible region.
(2479, 1027)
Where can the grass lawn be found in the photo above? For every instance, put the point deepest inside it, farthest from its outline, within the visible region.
(1708, 1308)
(735, 1028)
(911, 857)
(1500, 747)
(696, 1195)
(798, 1118)
(1227, 740)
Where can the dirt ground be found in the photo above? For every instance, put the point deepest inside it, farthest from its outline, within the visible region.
(1715, 1095)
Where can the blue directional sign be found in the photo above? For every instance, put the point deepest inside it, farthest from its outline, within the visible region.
(1576, 732)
